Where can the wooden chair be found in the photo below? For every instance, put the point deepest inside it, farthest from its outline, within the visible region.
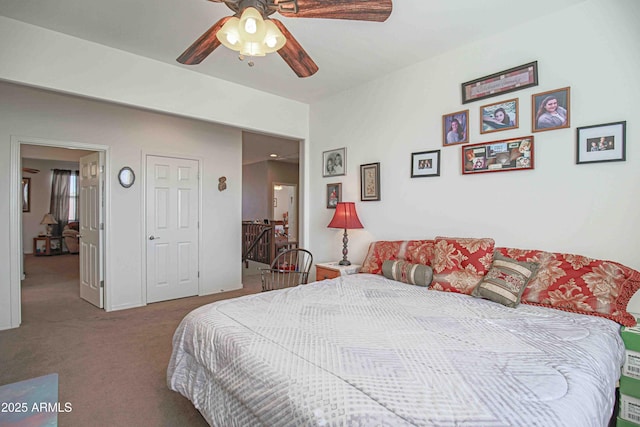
(290, 268)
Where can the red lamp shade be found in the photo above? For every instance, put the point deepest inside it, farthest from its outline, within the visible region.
(345, 217)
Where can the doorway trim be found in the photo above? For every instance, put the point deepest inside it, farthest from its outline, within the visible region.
(15, 217)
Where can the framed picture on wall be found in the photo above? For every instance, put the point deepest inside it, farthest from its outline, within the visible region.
(498, 156)
(454, 128)
(499, 116)
(550, 110)
(370, 182)
(601, 143)
(425, 163)
(334, 162)
(334, 195)
(497, 84)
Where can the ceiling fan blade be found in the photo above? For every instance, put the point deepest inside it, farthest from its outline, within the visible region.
(202, 47)
(359, 10)
(294, 55)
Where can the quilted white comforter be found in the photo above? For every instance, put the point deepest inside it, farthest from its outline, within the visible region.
(362, 350)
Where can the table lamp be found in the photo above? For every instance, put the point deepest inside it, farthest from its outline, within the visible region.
(346, 218)
(48, 220)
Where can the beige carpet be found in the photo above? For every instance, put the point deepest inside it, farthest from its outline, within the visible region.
(111, 366)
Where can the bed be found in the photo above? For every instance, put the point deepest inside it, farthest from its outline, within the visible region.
(364, 350)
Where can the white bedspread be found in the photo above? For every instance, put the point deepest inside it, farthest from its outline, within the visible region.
(362, 350)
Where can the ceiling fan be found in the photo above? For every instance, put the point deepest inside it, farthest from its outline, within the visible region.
(274, 36)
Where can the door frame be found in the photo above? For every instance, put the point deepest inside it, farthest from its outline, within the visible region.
(15, 217)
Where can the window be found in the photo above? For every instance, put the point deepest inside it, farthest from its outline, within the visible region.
(73, 197)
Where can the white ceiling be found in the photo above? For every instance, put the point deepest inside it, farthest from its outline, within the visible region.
(347, 52)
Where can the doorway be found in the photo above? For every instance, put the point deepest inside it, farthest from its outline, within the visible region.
(19, 243)
(285, 208)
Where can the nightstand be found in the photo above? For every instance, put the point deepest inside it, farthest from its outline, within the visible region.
(331, 270)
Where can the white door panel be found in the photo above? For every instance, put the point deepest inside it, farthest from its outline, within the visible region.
(172, 207)
(91, 266)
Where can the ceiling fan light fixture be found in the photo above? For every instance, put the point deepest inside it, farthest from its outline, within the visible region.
(250, 34)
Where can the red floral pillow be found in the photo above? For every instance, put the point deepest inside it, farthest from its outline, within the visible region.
(378, 253)
(579, 284)
(459, 264)
(419, 252)
(412, 251)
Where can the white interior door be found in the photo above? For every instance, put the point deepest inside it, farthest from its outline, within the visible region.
(91, 229)
(172, 209)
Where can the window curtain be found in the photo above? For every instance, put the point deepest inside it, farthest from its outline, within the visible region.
(59, 206)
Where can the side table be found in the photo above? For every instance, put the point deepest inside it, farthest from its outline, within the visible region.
(47, 245)
(331, 270)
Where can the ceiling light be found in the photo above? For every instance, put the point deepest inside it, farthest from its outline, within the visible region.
(273, 155)
(250, 34)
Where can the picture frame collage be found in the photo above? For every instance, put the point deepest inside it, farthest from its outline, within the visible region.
(334, 163)
(550, 110)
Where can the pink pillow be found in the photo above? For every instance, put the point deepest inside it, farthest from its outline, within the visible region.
(579, 284)
(460, 263)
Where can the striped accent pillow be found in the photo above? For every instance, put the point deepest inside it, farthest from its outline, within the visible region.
(506, 280)
(405, 272)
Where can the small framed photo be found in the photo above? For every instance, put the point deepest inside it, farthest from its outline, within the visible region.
(498, 156)
(499, 116)
(334, 195)
(454, 128)
(601, 143)
(334, 162)
(370, 182)
(550, 110)
(425, 163)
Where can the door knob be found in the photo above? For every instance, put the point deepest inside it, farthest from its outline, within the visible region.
(152, 237)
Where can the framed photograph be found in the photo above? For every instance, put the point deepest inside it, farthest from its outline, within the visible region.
(425, 163)
(454, 128)
(334, 195)
(370, 182)
(334, 162)
(499, 116)
(498, 156)
(26, 194)
(550, 110)
(601, 143)
(500, 83)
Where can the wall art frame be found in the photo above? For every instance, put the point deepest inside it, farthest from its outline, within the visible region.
(370, 182)
(334, 194)
(516, 78)
(499, 116)
(425, 164)
(551, 110)
(455, 128)
(334, 162)
(498, 156)
(601, 143)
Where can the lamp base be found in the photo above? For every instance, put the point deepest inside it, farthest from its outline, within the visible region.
(344, 262)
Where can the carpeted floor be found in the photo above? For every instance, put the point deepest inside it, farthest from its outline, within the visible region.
(111, 366)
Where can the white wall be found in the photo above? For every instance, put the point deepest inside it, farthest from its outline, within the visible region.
(590, 209)
(130, 134)
(39, 57)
